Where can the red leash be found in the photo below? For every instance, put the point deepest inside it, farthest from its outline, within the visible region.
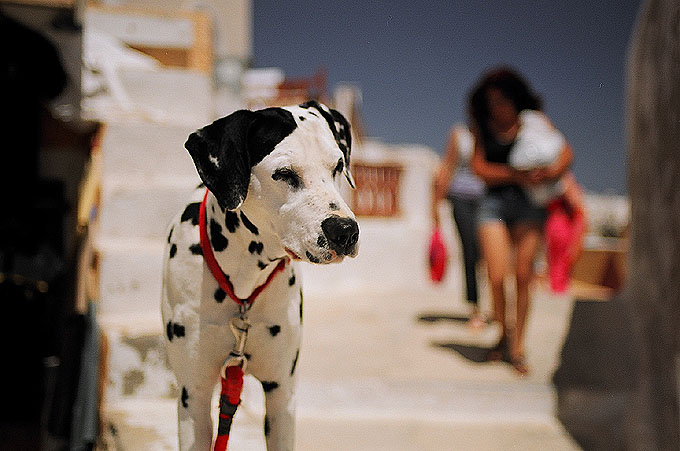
(230, 398)
(232, 379)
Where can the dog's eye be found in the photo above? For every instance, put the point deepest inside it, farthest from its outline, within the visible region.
(289, 176)
(338, 168)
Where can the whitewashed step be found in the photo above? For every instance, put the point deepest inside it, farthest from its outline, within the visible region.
(136, 362)
(151, 425)
(146, 151)
(162, 95)
(130, 273)
(143, 210)
(451, 417)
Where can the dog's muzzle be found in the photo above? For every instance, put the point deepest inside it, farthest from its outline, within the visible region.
(342, 234)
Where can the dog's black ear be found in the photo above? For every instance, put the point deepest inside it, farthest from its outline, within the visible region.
(343, 136)
(220, 153)
(341, 132)
(225, 151)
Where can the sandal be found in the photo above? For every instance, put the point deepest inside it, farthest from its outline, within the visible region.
(499, 351)
(476, 322)
(520, 365)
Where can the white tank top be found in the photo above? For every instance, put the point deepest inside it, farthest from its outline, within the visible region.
(464, 182)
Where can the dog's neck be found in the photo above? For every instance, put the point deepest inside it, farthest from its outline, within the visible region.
(250, 244)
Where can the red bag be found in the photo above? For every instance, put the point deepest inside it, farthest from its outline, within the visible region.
(438, 257)
(563, 233)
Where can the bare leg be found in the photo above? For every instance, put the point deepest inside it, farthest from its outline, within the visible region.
(527, 240)
(495, 243)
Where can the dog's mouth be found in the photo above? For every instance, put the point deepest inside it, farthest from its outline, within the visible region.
(292, 254)
(329, 256)
(325, 257)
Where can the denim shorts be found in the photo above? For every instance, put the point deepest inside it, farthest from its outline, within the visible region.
(511, 205)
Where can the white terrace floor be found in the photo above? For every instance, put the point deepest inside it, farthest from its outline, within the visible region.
(396, 371)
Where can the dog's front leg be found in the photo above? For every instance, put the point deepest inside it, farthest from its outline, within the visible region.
(195, 421)
(279, 421)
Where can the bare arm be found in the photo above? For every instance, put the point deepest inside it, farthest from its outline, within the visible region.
(444, 174)
(492, 173)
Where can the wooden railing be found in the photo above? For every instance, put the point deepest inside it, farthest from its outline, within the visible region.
(377, 189)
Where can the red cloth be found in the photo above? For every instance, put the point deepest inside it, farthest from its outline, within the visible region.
(438, 256)
(563, 231)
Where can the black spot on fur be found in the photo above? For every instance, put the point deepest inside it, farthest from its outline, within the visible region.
(174, 330)
(255, 248)
(170, 234)
(312, 258)
(249, 225)
(196, 249)
(302, 118)
(301, 302)
(173, 250)
(295, 361)
(219, 242)
(333, 206)
(322, 242)
(269, 386)
(261, 264)
(191, 213)
(291, 281)
(185, 397)
(231, 221)
(220, 295)
(267, 427)
(178, 330)
(274, 330)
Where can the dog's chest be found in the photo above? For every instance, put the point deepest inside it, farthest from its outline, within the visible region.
(247, 256)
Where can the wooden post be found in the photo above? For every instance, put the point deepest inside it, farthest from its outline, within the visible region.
(653, 289)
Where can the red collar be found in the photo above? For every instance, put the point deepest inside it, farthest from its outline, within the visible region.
(217, 272)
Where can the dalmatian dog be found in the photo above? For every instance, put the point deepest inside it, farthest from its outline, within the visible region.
(271, 198)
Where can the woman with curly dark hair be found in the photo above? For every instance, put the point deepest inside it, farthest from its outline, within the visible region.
(510, 224)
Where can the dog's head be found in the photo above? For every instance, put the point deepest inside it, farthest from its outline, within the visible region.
(287, 163)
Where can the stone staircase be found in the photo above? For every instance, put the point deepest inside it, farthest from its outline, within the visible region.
(146, 176)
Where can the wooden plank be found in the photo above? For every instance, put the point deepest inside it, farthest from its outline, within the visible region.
(47, 3)
(175, 38)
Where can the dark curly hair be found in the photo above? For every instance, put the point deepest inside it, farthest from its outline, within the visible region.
(511, 84)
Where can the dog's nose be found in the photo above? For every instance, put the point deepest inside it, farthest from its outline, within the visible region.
(342, 233)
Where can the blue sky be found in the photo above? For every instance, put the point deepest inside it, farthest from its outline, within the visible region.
(416, 61)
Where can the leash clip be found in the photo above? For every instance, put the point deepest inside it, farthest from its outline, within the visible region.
(239, 326)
